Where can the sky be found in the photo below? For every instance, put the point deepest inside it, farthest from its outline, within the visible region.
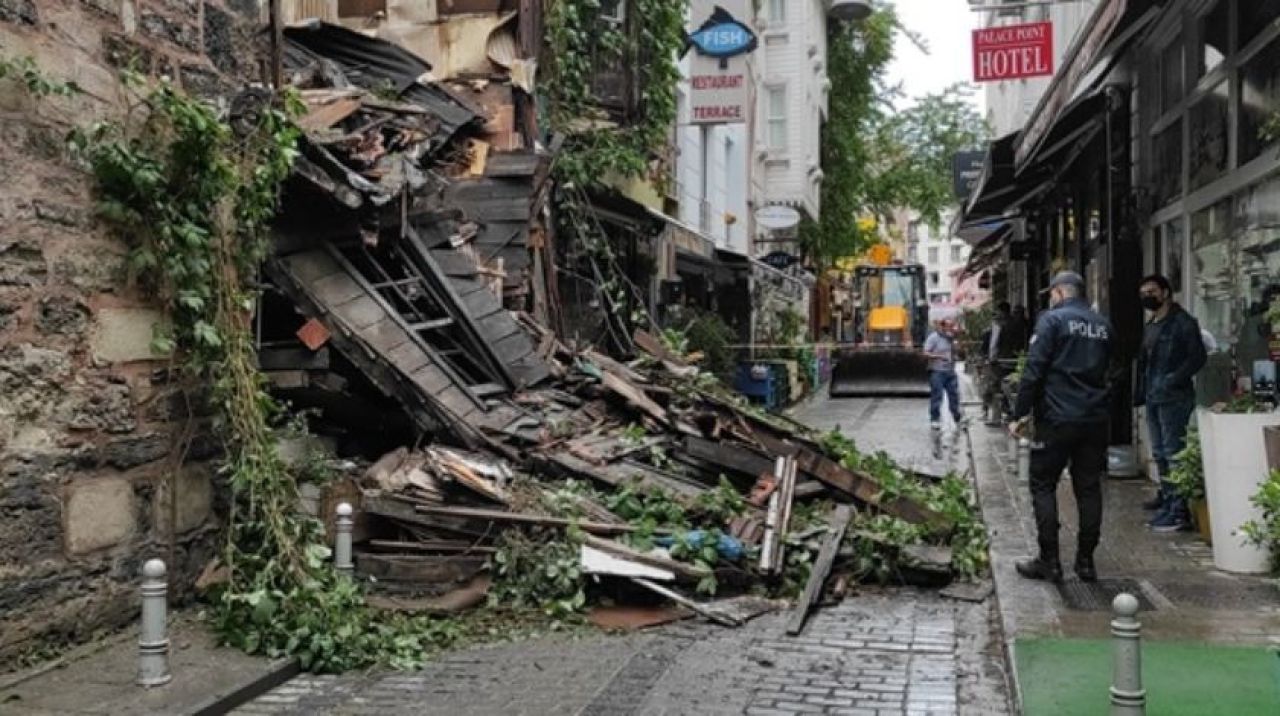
(946, 26)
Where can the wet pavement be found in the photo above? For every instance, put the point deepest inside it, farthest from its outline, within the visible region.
(1184, 597)
(881, 651)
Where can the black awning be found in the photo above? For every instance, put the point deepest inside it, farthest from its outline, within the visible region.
(1113, 27)
(987, 252)
(1077, 123)
(996, 183)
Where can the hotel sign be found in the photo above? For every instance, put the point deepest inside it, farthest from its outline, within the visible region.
(1013, 52)
(719, 75)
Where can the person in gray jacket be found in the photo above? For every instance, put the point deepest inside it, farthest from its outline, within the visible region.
(1173, 351)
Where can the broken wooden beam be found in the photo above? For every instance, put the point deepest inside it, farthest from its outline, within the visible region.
(469, 513)
(865, 489)
(731, 620)
(821, 568)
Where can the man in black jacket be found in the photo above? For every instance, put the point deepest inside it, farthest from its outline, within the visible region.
(1065, 388)
(1172, 353)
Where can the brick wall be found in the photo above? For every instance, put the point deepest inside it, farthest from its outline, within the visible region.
(89, 424)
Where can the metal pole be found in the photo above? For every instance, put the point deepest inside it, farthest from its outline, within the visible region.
(1024, 460)
(277, 46)
(342, 539)
(1128, 698)
(1013, 455)
(153, 643)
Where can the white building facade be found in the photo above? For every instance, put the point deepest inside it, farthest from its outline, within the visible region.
(940, 252)
(1009, 104)
(725, 172)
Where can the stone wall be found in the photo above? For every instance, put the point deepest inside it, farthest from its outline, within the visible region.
(90, 427)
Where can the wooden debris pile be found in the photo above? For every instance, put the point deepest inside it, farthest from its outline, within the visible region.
(618, 428)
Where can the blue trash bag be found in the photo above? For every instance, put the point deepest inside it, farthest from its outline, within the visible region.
(728, 547)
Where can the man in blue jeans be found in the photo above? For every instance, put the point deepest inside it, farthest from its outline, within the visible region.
(1172, 353)
(939, 348)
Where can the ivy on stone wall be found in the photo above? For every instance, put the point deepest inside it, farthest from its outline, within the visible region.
(580, 47)
(193, 193)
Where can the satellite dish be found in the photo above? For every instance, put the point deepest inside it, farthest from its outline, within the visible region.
(847, 10)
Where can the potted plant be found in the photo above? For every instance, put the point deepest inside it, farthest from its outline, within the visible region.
(1186, 476)
(1235, 469)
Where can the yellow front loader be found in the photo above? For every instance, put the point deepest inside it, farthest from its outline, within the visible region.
(881, 352)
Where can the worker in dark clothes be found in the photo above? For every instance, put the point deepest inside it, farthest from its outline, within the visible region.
(1172, 353)
(1065, 390)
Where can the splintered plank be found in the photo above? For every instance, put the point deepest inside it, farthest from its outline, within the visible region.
(821, 568)
(418, 569)
(336, 289)
(360, 313)
(311, 266)
(384, 336)
(865, 489)
(736, 458)
(635, 397)
(327, 115)
(519, 518)
(408, 358)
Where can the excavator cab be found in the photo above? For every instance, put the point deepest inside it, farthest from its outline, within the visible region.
(890, 321)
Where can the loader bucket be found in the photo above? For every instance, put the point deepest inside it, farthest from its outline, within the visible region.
(897, 372)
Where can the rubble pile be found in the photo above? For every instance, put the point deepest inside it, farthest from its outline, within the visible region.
(412, 276)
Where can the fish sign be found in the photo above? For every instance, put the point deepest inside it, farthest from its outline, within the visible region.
(722, 36)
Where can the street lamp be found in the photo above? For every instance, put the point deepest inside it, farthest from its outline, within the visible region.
(851, 10)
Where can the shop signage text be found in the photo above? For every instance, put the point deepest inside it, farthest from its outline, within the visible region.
(966, 171)
(1013, 52)
(719, 84)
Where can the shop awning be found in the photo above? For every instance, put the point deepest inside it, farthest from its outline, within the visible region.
(1075, 126)
(1112, 28)
(996, 184)
(988, 252)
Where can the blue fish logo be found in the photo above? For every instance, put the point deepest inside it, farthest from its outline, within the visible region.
(722, 36)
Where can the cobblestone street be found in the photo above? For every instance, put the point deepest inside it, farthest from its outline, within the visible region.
(881, 651)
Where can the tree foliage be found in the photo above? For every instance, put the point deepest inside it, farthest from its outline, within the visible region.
(876, 159)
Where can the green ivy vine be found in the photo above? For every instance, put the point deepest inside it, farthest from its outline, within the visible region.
(579, 43)
(193, 197)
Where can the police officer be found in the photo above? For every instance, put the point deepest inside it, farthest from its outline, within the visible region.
(1064, 387)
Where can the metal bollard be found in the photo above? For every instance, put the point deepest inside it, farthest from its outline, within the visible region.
(153, 642)
(342, 539)
(1013, 455)
(1128, 698)
(1024, 460)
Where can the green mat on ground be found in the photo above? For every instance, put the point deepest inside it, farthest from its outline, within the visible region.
(1070, 677)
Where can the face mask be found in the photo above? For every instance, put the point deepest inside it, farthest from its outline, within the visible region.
(1151, 303)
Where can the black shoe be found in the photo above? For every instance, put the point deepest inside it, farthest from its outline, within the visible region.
(1039, 569)
(1085, 569)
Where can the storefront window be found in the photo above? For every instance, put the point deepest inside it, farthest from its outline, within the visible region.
(1214, 275)
(1256, 16)
(1215, 33)
(1259, 99)
(1209, 118)
(1172, 71)
(1171, 241)
(1258, 275)
(1166, 163)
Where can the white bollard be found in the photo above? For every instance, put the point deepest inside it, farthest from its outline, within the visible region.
(153, 642)
(1013, 455)
(343, 525)
(1024, 461)
(1128, 698)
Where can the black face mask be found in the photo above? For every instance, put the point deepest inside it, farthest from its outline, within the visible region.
(1151, 303)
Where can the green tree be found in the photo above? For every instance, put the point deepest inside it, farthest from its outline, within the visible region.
(876, 159)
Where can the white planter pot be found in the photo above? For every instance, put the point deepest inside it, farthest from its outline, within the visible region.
(1235, 466)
